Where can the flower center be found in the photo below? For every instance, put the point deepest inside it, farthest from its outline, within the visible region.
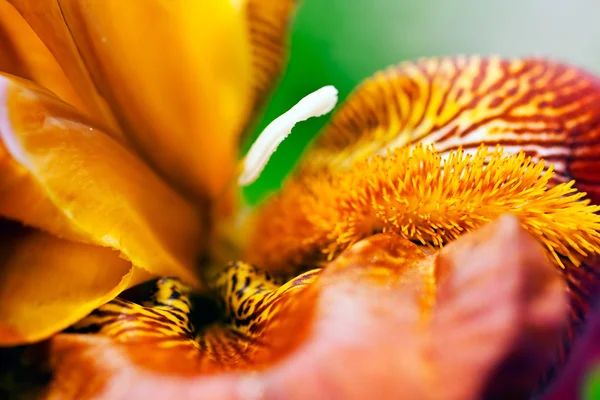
(316, 104)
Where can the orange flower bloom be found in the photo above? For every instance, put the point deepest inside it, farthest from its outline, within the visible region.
(433, 242)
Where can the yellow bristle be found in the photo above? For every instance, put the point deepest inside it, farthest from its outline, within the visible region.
(427, 198)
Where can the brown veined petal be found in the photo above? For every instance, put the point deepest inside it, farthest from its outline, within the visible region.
(65, 176)
(24, 55)
(268, 26)
(547, 109)
(424, 326)
(50, 283)
(46, 20)
(177, 74)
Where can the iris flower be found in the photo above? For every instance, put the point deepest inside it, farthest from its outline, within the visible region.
(438, 240)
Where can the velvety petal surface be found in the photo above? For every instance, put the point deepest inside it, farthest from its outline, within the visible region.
(64, 176)
(423, 325)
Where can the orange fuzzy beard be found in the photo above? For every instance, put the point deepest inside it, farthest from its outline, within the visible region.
(425, 197)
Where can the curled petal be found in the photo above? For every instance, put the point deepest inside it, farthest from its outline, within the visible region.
(64, 176)
(413, 320)
(547, 109)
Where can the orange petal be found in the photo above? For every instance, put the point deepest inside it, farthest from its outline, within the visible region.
(268, 26)
(24, 55)
(423, 327)
(547, 109)
(49, 283)
(46, 20)
(176, 74)
(66, 177)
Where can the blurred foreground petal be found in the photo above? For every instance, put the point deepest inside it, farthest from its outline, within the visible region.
(497, 286)
(384, 320)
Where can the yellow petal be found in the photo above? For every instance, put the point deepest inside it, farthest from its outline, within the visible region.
(268, 26)
(64, 176)
(549, 110)
(176, 74)
(49, 283)
(24, 55)
(192, 103)
(45, 18)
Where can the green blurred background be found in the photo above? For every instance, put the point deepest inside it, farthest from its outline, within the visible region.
(341, 42)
